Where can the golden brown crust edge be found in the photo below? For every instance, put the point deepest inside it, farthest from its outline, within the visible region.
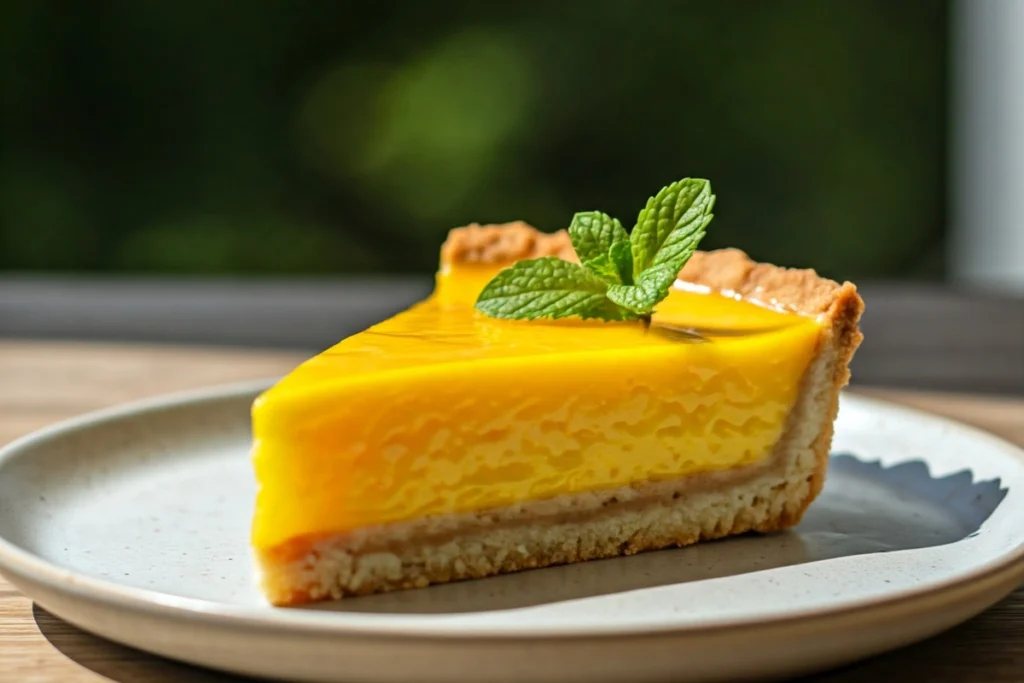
(504, 243)
(730, 271)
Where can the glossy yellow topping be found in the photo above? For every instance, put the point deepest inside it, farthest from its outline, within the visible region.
(441, 409)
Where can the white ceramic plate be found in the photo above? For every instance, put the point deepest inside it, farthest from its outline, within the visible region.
(133, 523)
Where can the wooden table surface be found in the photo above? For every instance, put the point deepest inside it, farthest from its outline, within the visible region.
(41, 383)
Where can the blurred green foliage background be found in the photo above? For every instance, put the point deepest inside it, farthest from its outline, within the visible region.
(318, 136)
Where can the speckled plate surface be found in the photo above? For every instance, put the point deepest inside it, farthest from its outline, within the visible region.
(133, 524)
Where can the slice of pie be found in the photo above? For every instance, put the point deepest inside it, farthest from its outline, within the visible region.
(443, 444)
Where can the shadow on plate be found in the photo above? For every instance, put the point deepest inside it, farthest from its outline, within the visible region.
(864, 508)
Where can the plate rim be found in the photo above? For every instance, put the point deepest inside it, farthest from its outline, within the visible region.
(31, 569)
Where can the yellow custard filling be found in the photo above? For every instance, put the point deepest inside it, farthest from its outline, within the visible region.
(442, 409)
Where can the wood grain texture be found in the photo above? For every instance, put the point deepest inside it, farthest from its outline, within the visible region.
(41, 383)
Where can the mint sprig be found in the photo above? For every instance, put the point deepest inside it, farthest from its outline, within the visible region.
(547, 288)
(622, 276)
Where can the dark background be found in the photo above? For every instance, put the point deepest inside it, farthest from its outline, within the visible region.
(281, 173)
(320, 137)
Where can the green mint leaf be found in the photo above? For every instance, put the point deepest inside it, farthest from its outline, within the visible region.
(672, 224)
(682, 242)
(621, 255)
(615, 267)
(592, 234)
(623, 277)
(548, 288)
(651, 287)
(605, 268)
(630, 297)
(658, 280)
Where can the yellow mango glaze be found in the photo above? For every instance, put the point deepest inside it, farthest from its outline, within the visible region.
(442, 409)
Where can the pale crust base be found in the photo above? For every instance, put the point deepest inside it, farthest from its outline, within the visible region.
(769, 496)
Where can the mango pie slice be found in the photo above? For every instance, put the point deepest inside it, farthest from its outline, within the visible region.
(446, 444)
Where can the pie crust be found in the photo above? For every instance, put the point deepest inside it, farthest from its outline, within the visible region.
(768, 496)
